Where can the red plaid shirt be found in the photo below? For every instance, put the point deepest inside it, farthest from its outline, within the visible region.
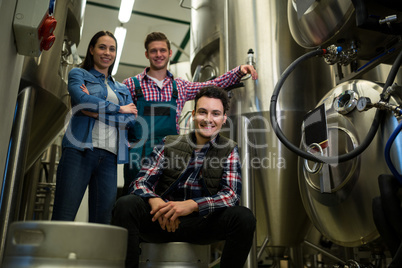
(186, 89)
(190, 185)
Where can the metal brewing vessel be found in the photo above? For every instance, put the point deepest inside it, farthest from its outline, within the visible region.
(34, 92)
(48, 75)
(222, 32)
(344, 215)
(11, 69)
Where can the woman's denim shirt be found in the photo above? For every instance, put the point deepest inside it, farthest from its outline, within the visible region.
(79, 131)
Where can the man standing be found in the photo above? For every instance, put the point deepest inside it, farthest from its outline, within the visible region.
(160, 98)
(189, 190)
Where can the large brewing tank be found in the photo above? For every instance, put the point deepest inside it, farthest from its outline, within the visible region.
(11, 69)
(344, 214)
(365, 25)
(47, 74)
(38, 113)
(222, 32)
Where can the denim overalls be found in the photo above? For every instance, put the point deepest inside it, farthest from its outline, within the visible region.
(155, 120)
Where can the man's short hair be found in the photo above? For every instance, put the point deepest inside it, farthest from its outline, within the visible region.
(156, 36)
(213, 92)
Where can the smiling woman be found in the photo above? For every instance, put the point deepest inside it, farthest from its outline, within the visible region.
(104, 53)
(94, 142)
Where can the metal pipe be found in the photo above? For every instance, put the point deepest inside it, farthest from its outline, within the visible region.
(32, 177)
(307, 243)
(296, 256)
(264, 244)
(180, 49)
(226, 35)
(15, 169)
(215, 262)
(50, 179)
(247, 197)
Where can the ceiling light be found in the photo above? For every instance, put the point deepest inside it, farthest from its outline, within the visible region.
(126, 8)
(120, 34)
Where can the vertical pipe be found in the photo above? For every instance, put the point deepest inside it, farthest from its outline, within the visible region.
(296, 256)
(226, 35)
(11, 68)
(31, 183)
(15, 170)
(247, 199)
(50, 179)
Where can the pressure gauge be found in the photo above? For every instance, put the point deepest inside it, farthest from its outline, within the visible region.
(363, 104)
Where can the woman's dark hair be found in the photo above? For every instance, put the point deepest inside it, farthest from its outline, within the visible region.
(88, 62)
(213, 92)
(156, 36)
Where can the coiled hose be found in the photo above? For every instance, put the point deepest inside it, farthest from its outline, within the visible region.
(334, 159)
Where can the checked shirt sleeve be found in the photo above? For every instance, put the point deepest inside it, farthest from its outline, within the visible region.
(229, 195)
(146, 180)
(129, 82)
(227, 79)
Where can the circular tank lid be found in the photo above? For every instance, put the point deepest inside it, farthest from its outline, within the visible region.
(353, 183)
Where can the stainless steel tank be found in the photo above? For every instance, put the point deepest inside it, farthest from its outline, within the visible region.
(322, 23)
(222, 32)
(11, 69)
(38, 114)
(48, 75)
(344, 214)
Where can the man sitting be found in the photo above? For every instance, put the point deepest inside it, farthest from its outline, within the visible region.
(189, 190)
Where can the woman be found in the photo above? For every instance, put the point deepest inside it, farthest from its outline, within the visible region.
(96, 139)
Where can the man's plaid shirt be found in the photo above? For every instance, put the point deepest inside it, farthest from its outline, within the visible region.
(186, 89)
(189, 185)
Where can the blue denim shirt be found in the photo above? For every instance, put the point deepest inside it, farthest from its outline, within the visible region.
(79, 131)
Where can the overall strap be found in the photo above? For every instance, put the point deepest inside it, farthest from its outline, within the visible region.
(138, 90)
(175, 94)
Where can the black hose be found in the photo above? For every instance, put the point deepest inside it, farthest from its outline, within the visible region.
(391, 203)
(387, 214)
(384, 227)
(335, 159)
(392, 73)
(397, 259)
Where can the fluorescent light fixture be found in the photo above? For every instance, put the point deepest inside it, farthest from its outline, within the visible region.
(120, 34)
(126, 8)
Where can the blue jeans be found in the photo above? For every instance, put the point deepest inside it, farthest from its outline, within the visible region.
(79, 169)
(235, 225)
